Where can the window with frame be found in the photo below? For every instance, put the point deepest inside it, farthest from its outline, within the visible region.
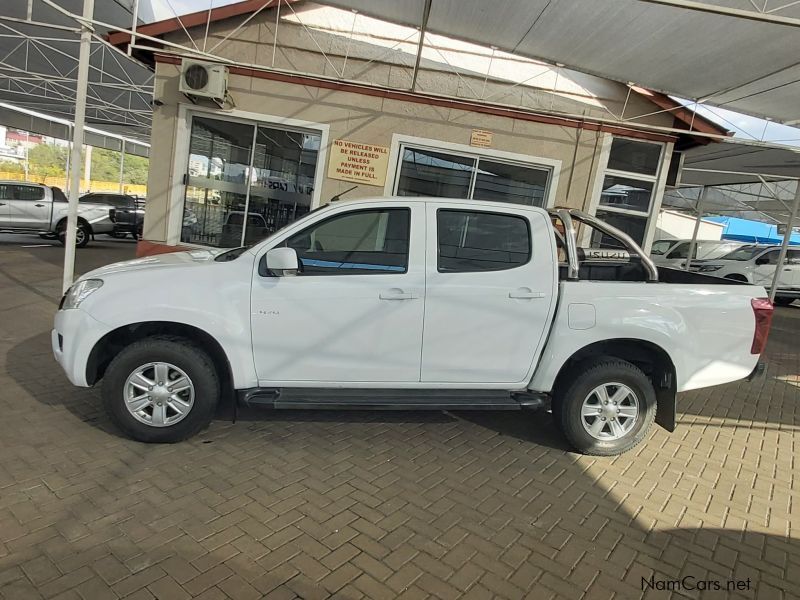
(29, 192)
(472, 241)
(443, 174)
(361, 242)
(628, 191)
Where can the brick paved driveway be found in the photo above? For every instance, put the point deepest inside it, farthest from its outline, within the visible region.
(379, 505)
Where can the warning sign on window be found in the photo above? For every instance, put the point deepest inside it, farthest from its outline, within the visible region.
(359, 163)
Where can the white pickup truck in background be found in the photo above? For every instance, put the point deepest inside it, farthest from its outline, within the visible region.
(410, 303)
(37, 208)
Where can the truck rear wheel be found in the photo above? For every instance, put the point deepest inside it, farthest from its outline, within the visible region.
(161, 389)
(608, 407)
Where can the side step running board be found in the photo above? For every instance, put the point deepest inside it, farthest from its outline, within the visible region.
(390, 399)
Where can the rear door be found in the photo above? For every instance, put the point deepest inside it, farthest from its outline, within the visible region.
(29, 208)
(6, 196)
(793, 264)
(491, 280)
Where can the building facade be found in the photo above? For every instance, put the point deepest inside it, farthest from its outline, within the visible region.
(329, 112)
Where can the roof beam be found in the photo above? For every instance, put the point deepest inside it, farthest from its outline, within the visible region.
(426, 12)
(728, 12)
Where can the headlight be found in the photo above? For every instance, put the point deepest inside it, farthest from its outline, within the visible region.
(80, 291)
(709, 268)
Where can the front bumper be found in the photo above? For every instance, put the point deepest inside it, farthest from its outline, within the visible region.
(73, 337)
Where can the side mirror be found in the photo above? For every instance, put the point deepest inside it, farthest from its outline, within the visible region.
(282, 262)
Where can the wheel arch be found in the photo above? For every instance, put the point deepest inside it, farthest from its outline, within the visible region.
(651, 358)
(114, 341)
(80, 220)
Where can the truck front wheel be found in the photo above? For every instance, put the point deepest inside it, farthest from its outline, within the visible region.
(82, 234)
(608, 407)
(161, 389)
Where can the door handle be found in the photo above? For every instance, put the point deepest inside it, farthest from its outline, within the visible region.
(525, 293)
(397, 295)
(2, 203)
(39, 205)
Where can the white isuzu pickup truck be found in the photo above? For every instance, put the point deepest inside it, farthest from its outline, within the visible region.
(410, 303)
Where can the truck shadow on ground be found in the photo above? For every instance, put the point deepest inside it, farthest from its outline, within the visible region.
(576, 522)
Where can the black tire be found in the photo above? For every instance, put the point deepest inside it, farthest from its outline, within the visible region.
(782, 301)
(179, 352)
(82, 236)
(587, 377)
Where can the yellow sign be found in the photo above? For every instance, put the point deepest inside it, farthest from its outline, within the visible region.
(481, 138)
(359, 163)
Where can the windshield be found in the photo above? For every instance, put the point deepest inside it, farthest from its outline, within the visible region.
(660, 247)
(743, 253)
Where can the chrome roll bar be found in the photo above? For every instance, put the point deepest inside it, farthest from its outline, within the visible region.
(571, 243)
(567, 216)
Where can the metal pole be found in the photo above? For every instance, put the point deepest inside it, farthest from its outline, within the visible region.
(121, 165)
(785, 244)
(66, 167)
(693, 244)
(77, 142)
(134, 22)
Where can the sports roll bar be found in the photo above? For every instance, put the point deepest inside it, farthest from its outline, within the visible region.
(571, 243)
(567, 216)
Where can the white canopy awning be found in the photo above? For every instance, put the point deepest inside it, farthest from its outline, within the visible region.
(722, 52)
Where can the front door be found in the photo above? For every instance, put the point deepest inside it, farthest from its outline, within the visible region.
(491, 280)
(764, 270)
(29, 209)
(354, 313)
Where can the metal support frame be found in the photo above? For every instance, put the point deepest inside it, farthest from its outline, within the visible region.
(77, 142)
(693, 243)
(121, 166)
(426, 12)
(785, 244)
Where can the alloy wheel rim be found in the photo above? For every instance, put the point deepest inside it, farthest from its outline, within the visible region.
(610, 411)
(158, 394)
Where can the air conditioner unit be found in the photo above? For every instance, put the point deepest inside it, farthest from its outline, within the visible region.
(204, 80)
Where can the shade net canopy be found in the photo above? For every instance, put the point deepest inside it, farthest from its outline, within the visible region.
(727, 53)
(39, 65)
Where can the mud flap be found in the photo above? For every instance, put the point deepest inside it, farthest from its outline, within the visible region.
(666, 406)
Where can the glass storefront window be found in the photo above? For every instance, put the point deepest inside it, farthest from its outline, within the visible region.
(440, 174)
(429, 173)
(237, 193)
(634, 157)
(629, 194)
(632, 225)
(503, 182)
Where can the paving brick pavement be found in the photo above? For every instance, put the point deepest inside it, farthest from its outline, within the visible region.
(379, 505)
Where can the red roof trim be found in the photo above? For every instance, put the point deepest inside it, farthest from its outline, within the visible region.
(684, 115)
(418, 98)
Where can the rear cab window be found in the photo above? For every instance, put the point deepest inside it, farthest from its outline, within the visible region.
(474, 241)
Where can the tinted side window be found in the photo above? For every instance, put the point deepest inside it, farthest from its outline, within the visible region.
(29, 192)
(477, 241)
(6, 191)
(793, 257)
(769, 258)
(58, 195)
(360, 242)
(680, 251)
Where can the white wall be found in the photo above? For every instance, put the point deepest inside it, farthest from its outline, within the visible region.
(676, 226)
